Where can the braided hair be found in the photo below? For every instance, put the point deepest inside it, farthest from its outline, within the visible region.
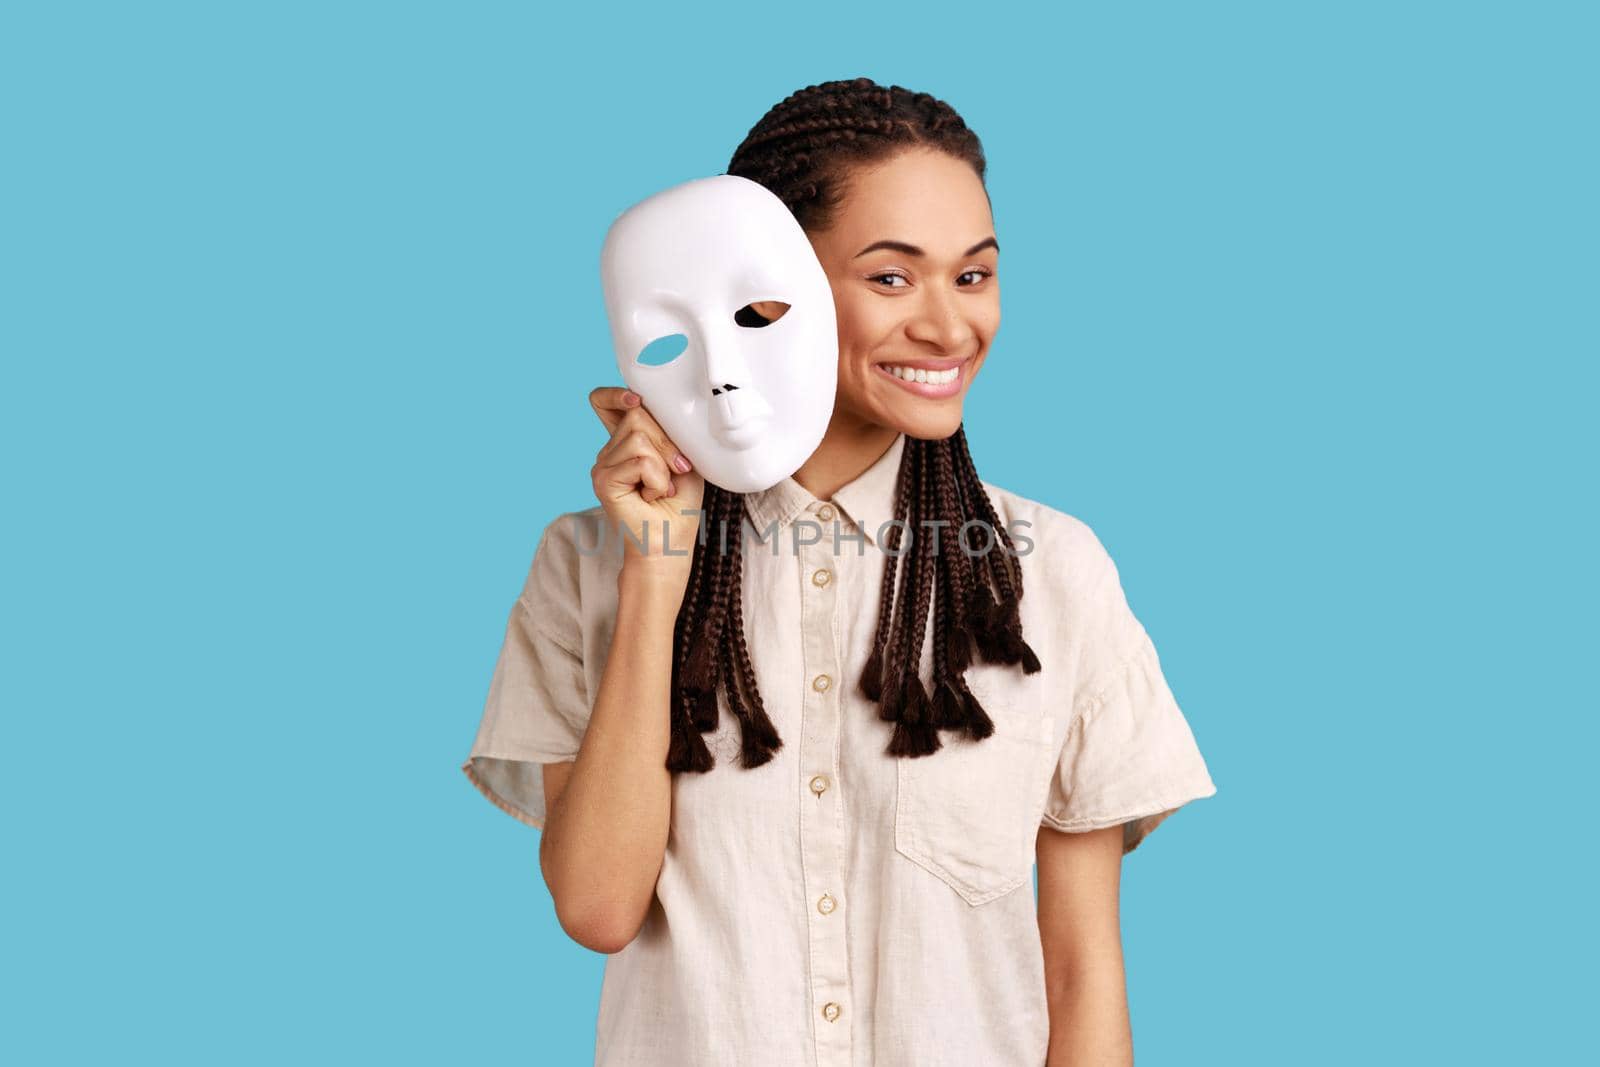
(802, 151)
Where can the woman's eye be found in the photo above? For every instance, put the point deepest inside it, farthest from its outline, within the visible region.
(887, 280)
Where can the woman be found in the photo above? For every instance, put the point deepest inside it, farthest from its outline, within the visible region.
(796, 849)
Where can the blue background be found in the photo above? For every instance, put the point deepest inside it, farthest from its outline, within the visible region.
(299, 308)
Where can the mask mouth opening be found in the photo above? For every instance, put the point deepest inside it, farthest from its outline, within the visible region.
(760, 313)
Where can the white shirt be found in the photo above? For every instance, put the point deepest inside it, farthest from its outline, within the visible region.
(838, 906)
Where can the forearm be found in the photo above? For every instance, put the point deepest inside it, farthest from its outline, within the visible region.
(1088, 1000)
(1080, 928)
(605, 837)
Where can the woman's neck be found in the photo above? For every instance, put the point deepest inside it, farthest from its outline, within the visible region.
(850, 446)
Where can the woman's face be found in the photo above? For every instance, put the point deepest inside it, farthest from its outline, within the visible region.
(913, 264)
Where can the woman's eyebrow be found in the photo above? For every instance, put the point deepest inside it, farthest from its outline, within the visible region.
(913, 250)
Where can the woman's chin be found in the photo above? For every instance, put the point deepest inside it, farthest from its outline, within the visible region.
(927, 420)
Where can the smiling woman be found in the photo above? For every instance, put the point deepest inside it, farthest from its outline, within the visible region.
(796, 793)
(914, 264)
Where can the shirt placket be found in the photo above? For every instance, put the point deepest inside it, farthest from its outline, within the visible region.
(822, 811)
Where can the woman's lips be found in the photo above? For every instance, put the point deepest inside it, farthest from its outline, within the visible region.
(934, 390)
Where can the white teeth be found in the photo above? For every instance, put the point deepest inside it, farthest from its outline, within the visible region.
(929, 377)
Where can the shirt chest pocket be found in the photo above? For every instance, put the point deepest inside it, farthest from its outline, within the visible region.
(969, 813)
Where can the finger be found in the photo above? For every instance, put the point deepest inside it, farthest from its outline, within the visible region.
(632, 427)
(640, 421)
(627, 444)
(636, 447)
(645, 472)
(610, 402)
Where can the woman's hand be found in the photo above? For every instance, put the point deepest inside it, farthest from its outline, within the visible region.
(646, 486)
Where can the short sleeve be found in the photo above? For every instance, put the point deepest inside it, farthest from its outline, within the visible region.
(1129, 757)
(538, 703)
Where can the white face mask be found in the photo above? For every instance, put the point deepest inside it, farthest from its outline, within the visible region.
(747, 403)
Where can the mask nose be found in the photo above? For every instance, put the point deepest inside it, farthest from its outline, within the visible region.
(726, 369)
(736, 407)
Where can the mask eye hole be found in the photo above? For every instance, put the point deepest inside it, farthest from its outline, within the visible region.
(663, 350)
(761, 313)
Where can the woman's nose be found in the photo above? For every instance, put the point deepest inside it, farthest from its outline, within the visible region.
(939, 320)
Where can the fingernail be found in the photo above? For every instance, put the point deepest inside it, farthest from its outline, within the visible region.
(630, 398)
(680, 463)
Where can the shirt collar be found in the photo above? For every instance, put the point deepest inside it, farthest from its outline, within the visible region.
(867, 501)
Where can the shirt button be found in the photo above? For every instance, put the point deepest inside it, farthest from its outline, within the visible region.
(819, 783)
(821, 683)
(830, 1011)
(826, 904)
(825, 513)
(821, 576)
